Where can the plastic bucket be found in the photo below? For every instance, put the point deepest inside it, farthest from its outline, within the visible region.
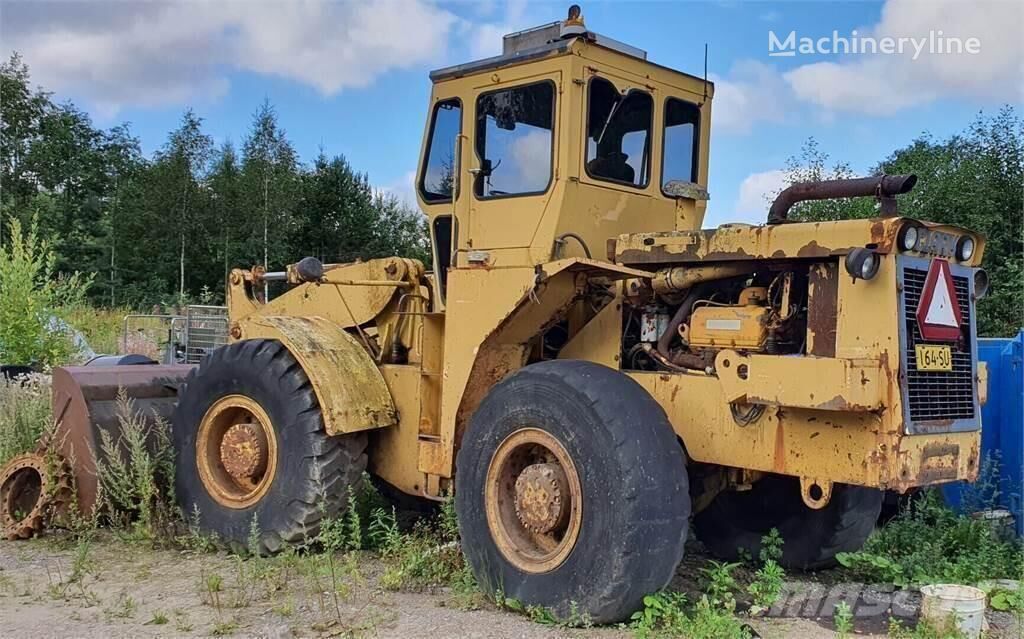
(952, 604)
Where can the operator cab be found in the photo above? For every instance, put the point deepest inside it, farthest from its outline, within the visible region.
(566, 140)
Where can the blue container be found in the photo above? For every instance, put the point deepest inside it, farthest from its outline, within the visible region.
(1002, 420)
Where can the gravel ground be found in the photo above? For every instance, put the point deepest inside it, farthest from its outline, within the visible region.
(128, 589)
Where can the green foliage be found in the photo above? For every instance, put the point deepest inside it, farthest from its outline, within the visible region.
(31, 299)
(1005, 600)
(136, 473)
(928, 543)
(720, 584)
(843, 620)
(771, 546)
(924, 630)
(974, 179)
(665, 614)
(766, 585)
(24, 414)
(160, 229)
(384, 533)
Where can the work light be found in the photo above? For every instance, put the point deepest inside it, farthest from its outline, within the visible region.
(862, 263)
(965, 248)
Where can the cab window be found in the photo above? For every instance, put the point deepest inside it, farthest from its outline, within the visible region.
(679, 156)
(618, 134)
(438, 177)
(514, 140)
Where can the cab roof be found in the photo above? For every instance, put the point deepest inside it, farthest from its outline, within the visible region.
(541, 42)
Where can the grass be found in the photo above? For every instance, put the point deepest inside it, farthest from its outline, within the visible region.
(24, 414)
(101, 327)
(929, 543)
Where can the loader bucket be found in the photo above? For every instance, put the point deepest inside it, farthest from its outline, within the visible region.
(85, 404)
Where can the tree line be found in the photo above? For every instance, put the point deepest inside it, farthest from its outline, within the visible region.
(168, 228)
(973, 179)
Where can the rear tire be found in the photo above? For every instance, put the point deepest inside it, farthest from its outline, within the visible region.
(631, 503)
(312, 471)
(733, 524)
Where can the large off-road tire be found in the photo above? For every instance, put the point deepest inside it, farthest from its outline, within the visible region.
(733, 524)
(250, 447)
(584, 455)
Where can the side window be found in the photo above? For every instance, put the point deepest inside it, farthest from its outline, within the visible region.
(438, 178)
(679, 157)
(514, 138)
(619, 134)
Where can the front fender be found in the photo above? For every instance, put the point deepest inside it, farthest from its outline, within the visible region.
(348, 385)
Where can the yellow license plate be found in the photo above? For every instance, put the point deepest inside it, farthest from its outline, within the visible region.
(934, 358)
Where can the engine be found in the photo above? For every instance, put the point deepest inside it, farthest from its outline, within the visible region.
(684, 315)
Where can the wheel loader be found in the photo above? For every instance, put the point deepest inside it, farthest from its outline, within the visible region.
(584, 368)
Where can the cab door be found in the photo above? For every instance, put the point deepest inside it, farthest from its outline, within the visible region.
(511, 162)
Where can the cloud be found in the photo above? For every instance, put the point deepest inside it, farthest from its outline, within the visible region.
(756, 192)
(485, 40)
(116, 54)
(752, 92)
(404, 189)
(884, 84)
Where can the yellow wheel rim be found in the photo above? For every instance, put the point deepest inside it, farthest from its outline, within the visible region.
(534, 500)
(236, 451)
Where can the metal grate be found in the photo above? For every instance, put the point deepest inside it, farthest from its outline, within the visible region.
(934, 395)
(206, 328)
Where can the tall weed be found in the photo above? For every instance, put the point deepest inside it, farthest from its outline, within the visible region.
(24, 414)
(136, 472)
(31, 298)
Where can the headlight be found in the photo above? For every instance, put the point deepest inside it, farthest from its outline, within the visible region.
(980, 283)
(862, 263)
(965, 248)
(909, 236)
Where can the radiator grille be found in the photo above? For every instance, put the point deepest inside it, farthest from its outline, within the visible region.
(937, 395)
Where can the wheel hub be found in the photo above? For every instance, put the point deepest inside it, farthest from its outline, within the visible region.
(534, 500)
(243, 451)
(236, 451)
(541, 497)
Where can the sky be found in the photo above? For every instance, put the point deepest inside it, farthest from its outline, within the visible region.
(352, 77)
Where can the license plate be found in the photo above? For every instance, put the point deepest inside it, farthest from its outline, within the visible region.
(934, 358)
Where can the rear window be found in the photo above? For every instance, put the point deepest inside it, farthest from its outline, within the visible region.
(679, 157)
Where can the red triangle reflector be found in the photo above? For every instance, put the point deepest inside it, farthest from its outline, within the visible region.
(938, 311)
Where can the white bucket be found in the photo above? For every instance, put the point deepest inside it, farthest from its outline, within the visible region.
(963, 606)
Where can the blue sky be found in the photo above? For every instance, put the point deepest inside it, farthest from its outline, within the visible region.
(352, 78)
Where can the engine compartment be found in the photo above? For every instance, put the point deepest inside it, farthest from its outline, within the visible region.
(681, 318)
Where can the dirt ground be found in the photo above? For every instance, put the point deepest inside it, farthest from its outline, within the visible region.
(119, 588)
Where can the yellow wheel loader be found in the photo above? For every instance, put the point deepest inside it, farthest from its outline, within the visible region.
(585, 367)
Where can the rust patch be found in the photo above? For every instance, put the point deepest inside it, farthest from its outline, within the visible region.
(822, 309)
(780, 449)
(939, 462)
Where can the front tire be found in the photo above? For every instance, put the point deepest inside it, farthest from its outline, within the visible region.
(251, 450)
(733, 524)
(571, 491)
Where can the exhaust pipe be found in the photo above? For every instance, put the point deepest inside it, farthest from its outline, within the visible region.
(883, 187)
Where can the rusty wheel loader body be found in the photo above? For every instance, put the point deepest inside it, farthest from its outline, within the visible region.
(565, 184)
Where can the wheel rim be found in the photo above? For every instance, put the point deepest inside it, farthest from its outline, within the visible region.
(236, 451)
(534, 500)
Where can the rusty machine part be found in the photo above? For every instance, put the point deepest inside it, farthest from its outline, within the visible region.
(884, 187)
(236, 451)
(534, 500)
(85, 403)
(35, 490)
